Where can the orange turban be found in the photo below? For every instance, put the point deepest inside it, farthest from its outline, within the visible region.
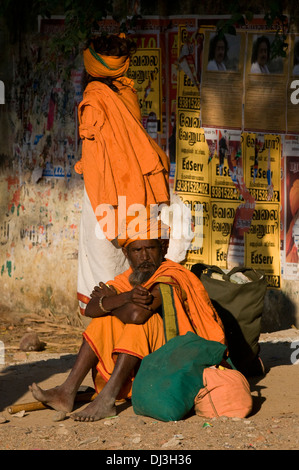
(145, 226)
(98, 65)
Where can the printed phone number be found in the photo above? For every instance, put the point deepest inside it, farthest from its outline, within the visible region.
(185, 102)
(192, 187)
(263, 195)
(220, 192)
(273, 281)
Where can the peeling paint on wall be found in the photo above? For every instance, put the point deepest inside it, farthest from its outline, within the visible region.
(41, 195)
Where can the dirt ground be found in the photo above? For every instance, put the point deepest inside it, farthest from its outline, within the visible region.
(273, 424)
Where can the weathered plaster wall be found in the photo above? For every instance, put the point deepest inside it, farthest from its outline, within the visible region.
(39, 243)
(40, 193)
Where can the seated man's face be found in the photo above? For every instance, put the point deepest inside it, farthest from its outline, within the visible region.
(145, 257)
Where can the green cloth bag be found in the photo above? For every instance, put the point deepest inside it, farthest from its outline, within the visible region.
(169, 379)
(240, 307)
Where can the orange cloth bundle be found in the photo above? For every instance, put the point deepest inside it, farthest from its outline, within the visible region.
(226, 392)
(118, 157)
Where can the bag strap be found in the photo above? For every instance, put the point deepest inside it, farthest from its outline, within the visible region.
(201, 268)
(226, 276)
(242, 269)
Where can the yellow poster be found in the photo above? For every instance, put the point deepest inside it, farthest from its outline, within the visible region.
(145, 71)
(188, 85)
(200, 249)
(225, 164)
(223, 215)
(262, 166)
(262, 242)
(192, 169)
(192, 179)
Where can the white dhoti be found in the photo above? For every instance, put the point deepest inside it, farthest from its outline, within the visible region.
(98, 259)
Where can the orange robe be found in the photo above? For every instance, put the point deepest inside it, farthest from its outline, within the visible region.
(119, 158)
(108, 336)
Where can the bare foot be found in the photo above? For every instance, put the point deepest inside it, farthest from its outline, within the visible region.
(55, 397)
(97, 409)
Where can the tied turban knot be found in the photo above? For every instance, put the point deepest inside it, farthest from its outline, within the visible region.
(98, 65)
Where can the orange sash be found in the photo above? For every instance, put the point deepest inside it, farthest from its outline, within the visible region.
(193, 306)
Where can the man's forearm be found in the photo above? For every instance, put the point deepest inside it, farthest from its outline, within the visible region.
(109, 304)
(122, 307)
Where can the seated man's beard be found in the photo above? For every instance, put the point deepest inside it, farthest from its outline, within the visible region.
(139, 277)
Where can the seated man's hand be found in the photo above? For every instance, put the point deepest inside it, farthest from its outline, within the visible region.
(102, 290)
(139, 313)
(141, 296)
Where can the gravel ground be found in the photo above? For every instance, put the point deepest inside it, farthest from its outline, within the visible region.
(273, 424)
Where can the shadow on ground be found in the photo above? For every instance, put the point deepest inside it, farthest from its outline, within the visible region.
(15, 379)
(273, 354)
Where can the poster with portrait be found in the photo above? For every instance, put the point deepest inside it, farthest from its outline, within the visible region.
(291, 151)
(293, 88)
(222, 80)
(282, 211)
(265, 86)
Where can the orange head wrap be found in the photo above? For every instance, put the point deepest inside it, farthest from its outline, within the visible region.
(142, 227)
(98, 65)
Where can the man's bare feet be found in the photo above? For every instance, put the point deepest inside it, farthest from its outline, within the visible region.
(96, 410)
(56, 398)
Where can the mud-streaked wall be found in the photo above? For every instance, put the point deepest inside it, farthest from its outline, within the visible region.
(39, 243)
(40, 193)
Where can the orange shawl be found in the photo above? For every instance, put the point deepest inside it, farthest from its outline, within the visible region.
(192, 303)
(118, 157)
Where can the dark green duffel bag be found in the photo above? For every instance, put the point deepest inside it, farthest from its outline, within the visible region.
(240, 307)
(169, 379)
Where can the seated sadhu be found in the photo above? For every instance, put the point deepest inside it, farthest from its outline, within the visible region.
(132, 316)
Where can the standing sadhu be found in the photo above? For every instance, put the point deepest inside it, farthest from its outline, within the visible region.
(120, 161)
